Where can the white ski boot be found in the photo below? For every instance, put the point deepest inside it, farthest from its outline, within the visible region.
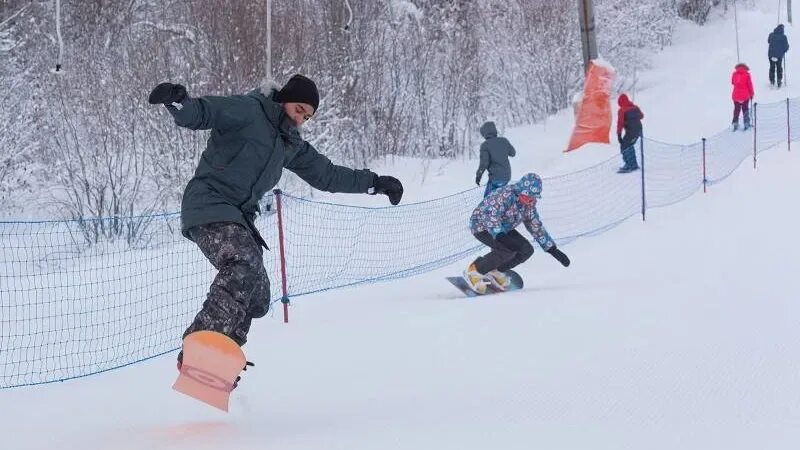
(499, 280)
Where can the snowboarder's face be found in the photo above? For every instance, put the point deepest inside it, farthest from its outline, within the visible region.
(526, 200)
(298, 113)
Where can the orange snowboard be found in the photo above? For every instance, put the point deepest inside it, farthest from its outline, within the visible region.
(211, 363)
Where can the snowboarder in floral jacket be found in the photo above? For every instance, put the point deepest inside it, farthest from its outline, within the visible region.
(494, 222)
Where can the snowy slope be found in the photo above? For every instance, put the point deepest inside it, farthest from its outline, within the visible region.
(678, 333)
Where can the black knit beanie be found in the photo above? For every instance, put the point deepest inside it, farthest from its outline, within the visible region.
(299, 89)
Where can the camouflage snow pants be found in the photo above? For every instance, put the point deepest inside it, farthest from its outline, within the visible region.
(240, 291)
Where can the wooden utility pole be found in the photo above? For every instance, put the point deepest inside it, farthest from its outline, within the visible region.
(789, 11)
(588, 39)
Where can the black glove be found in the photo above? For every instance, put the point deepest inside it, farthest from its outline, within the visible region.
(167, 93)
(478, 178)
(559, 255)
(389, 186)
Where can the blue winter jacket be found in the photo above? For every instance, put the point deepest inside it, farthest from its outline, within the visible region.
(778, 44)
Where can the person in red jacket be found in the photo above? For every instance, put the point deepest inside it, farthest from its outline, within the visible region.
(629, 119)
(742, 94)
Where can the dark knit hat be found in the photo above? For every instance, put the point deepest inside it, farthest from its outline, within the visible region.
(299, 89)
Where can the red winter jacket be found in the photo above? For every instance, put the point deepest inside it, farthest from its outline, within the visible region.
(742, 84)
(629, 117)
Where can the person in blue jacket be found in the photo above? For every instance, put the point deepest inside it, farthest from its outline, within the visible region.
(778, 46)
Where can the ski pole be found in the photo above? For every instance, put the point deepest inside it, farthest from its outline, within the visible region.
(785, 77)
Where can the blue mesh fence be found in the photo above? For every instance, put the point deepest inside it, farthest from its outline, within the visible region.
(771, 129)
(725, 151)
(589, 201)
(86, 296)
(672, 172)
(329, 246)
(794, 120)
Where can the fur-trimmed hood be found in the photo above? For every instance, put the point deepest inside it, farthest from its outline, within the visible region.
(273, 110)
(267, 85)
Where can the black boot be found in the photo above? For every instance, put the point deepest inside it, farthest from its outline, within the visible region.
(236, 382)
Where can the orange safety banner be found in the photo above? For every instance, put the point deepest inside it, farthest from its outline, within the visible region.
(593, 117)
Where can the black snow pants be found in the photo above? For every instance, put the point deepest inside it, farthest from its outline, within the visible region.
(240, 291)
(508, 251)
(776, 66)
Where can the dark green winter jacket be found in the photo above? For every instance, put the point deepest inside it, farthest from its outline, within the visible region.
(251, 141)
(495, 152)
